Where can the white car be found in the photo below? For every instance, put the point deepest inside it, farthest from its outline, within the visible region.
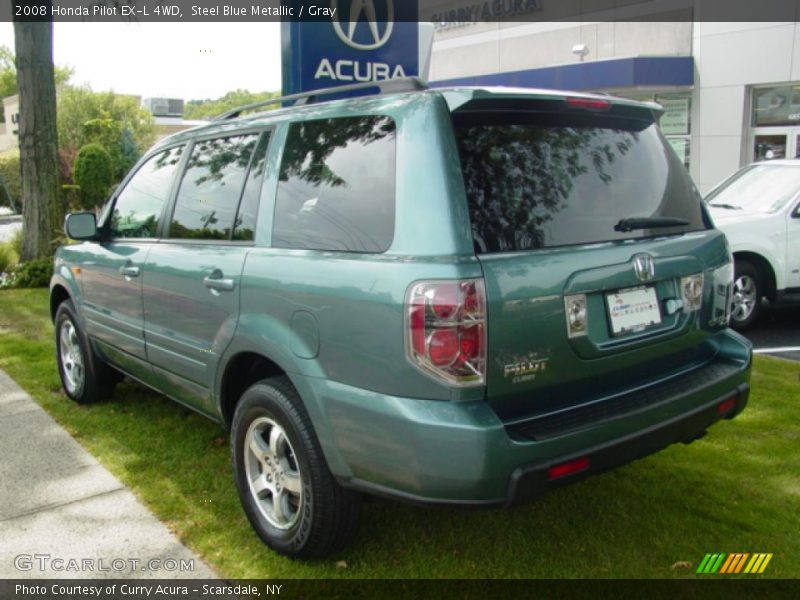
(758, 209)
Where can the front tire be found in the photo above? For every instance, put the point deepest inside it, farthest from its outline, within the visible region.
(84, 376)
(288, 493)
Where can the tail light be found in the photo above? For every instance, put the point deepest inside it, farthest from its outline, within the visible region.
(446, 330)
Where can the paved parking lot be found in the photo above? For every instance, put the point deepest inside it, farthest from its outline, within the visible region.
(777, 332)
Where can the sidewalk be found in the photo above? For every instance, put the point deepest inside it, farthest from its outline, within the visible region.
(56, 500)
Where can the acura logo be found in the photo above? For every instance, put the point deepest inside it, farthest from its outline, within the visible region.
(367, 9)
(644, 266)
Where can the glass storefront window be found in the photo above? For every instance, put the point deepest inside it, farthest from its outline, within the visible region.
(676, 122)
(775, 106)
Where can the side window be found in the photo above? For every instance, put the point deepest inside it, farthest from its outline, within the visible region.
(211, 187)
(139, 205)
(337, 186)
(245, 227)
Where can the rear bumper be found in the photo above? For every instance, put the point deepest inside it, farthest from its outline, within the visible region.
(531, 481)
(435, 452)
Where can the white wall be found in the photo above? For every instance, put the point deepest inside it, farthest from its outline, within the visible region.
(486, 48)
(729, 58)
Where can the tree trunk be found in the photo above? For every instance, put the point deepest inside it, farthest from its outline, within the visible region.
(38, 143)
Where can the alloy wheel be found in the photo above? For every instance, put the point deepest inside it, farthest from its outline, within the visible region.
(273, 474)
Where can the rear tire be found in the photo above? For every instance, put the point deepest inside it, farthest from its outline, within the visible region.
(747, 292)
(84, 375)
(288, 493)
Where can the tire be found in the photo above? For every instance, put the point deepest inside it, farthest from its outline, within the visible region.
(288, 493)
(84, 376)
(747, 293)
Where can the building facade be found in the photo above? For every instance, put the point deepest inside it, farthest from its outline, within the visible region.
(731, 91)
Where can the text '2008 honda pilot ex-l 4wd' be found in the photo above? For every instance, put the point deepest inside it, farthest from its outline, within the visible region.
(458, 296)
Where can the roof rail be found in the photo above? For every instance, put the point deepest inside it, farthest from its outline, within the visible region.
(386, 86)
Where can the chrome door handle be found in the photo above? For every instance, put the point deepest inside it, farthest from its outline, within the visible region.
(218, 283)
(129, 271)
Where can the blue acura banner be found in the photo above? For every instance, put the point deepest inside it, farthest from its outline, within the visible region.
(365, 40)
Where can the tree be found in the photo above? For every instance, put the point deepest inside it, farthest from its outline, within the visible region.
(38, 141)
(92, 172)
(116, 122)
(8, 76)
(208, 109)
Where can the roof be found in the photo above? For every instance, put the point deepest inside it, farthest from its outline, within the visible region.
(455, 97)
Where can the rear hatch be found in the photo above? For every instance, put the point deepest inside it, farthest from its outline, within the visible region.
(594, 247)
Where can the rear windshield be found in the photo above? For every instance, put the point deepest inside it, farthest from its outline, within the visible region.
(539, 180)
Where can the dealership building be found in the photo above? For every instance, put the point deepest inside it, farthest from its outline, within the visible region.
(731, 91)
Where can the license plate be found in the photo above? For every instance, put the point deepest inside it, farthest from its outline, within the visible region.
(633, 310)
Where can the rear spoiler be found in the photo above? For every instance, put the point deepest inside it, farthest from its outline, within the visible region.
(475, 100)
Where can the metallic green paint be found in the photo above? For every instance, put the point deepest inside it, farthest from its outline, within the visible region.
(383, 424)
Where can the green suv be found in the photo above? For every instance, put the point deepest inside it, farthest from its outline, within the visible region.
(452, 296)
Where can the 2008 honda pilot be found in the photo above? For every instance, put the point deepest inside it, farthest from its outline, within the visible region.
(452, 296)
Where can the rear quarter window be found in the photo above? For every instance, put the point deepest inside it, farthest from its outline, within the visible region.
(336, 188)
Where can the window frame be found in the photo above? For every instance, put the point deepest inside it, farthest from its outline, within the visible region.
(106, 226)
(259, 130)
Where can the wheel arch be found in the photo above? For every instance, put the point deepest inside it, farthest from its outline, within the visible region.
(240, 372)
(764, 268)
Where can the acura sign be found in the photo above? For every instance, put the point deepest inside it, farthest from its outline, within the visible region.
(365, 40)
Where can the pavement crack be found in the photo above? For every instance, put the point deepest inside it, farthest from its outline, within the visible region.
(48, 507)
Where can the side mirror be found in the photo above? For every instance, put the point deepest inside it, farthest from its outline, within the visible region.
(81, 226)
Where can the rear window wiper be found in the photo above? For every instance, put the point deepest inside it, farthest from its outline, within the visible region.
(724, 205)
(626, 225)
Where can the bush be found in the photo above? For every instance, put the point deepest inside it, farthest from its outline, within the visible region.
(10, 177)
(16, 241)
(116, 122)
(93, 173)
(32, 274)
(8, 257)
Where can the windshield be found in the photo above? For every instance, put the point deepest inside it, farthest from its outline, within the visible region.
(759, 188)
(543, 179)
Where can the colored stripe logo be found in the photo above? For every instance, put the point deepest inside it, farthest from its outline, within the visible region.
(731, 564)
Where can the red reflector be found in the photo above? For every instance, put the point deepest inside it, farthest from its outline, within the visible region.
(727, 406)
(589, 103)
(568, 468)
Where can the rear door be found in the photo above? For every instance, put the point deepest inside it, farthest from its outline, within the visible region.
(579, 304)
(192, 278)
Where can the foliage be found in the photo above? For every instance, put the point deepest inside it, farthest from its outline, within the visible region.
(207, 109)
(8, 76)
(8, 257)
(17, 238)
(92, 173)
(31, 274)
(118, 123)
(10, 177)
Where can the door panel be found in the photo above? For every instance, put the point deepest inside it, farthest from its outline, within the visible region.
(793, 251)
(191, 306)
(113, 300)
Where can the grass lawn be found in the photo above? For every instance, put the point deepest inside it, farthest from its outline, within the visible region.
(736, 490)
